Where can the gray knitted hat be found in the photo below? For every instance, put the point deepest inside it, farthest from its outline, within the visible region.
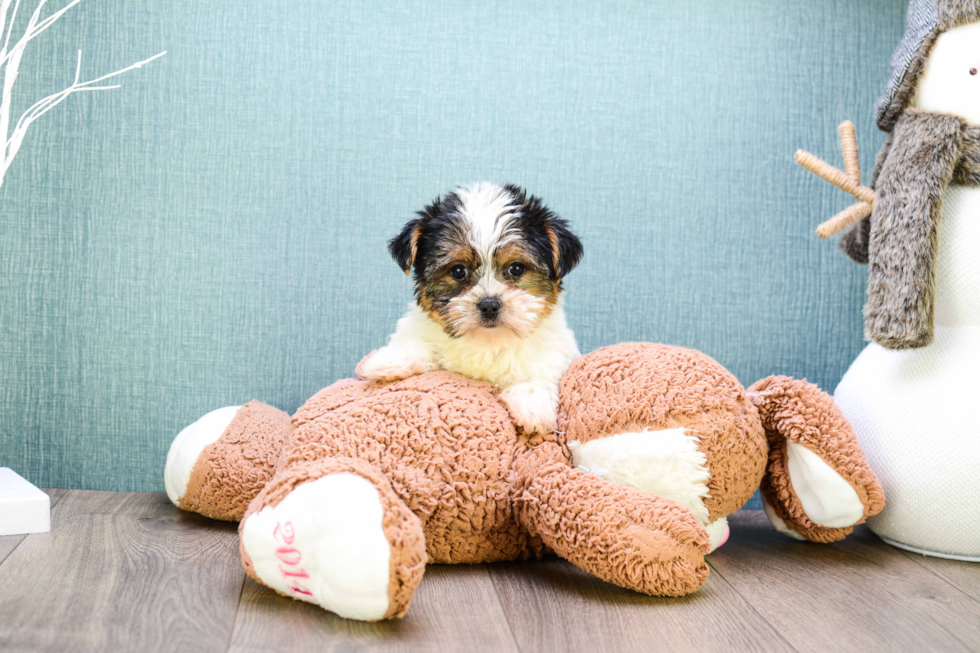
(924, 22)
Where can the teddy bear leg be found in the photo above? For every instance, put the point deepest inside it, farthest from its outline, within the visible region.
(818, 484)
(625, 536)
(333, 532)
(666, 463)
(218, 464)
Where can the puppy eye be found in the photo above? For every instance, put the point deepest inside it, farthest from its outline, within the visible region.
(973, 71)
(458, 272)
(515, 269)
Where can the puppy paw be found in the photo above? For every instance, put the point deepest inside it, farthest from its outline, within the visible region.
(533, 407)
(389, 364)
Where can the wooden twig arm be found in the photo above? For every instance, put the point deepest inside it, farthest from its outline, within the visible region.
(848, 180)
(851, 215)
(837, 177)
(849, 145)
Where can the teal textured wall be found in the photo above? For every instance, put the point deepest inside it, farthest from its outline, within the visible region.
(215, 230)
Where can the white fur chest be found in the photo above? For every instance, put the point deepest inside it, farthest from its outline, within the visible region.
(545, 353)
(492, 355)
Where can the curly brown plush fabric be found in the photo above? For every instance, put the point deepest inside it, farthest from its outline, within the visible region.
(799, 412)
(459, 484)
(619, 534)
(232, 470)
(446, 444)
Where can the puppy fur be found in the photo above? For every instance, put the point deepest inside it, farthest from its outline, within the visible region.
(488, 263)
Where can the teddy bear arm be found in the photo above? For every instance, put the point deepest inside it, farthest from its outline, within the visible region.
(818, 484)
(624, 536)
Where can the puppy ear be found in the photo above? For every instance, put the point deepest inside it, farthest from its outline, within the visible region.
(566, 248)
(404, 247)
(549, 233)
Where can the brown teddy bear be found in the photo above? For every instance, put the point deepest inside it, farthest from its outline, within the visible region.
(344, 504)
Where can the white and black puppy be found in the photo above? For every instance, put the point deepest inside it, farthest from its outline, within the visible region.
(488, 264)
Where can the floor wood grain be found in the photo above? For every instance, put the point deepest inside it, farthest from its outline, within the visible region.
(856, 595)
(454, 609)
(965, 576)
(554, 606)
(121, 571)
(125, 571)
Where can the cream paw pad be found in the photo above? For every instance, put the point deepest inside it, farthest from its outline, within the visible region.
(187, 447)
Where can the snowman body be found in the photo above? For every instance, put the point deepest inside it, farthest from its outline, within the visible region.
(913, 410)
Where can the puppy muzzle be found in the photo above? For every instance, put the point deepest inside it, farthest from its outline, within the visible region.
(489, 308)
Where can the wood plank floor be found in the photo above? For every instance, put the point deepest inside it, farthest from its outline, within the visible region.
(129, 572)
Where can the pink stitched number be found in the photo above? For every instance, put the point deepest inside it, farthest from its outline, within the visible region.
(287, 532)
(298, 574)
(301, 590)
(291, 557)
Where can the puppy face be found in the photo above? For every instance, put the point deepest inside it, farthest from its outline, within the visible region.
(487, 259)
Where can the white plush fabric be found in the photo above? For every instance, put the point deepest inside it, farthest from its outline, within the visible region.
(667, 463)
(778, 523)
(718, 532)
(827, 499)
(187, 447)
(915, 410)
(325, 538)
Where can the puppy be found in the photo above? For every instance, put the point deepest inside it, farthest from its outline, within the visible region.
(488, 265)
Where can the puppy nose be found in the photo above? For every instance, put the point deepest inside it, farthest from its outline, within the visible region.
(489, 306)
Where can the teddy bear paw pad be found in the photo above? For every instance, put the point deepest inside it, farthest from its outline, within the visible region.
(827, 499)
(778, 523)
(188, 446)
(718, 532)
(324, 544)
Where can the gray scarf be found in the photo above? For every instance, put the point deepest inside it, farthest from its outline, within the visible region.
(925, 153)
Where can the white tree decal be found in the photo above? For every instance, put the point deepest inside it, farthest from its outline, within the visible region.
(10, 62)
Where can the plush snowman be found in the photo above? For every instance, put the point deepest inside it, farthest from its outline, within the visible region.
(911, 392)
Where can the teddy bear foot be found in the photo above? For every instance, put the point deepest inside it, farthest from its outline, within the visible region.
(188, 446)
(718, 532)
(827, 499)
(339, 538)
(217, 465)
(818, 485)
(821, 500)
